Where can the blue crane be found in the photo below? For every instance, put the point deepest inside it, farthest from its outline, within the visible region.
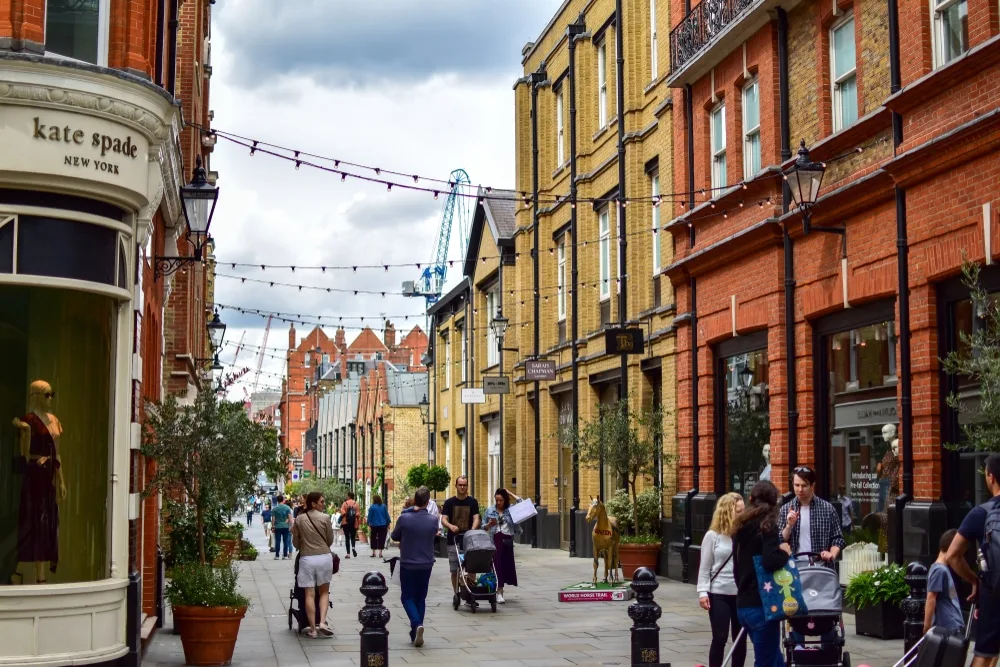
(431, 281)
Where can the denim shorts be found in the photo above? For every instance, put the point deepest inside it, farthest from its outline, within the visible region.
(987, 627)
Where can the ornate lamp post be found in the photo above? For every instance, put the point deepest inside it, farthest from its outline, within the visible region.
(198, 199)
(804, 180)
(499, 325)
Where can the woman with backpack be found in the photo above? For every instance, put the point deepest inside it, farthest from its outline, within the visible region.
(717, 582)
(350, 521)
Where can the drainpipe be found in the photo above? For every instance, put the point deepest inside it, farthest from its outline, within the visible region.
(903, 268)
(689, 120)
(537, 78)
(172, 72)
(622, 232)
(693, 491)
(572, 31)
(161, 10)
(786, 202)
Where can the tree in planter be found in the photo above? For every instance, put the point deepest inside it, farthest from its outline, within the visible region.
(435, 478)
(627, 442)
(209, 453)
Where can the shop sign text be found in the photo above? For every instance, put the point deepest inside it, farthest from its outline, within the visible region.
(105, 143)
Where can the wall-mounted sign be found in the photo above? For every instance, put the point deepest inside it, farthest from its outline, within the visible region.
(539, 370)
(306, 474)
(473, 395)
(59, 143)
(496, 385)
(623, 341)
(877, 412)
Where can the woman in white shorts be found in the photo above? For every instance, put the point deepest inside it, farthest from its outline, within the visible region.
(312, 535)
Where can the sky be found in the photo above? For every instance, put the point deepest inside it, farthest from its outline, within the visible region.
(416, 86)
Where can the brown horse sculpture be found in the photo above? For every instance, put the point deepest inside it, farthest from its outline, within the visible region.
(606, 540)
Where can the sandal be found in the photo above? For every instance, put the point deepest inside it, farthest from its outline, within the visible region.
(311, 634)
(325, 630)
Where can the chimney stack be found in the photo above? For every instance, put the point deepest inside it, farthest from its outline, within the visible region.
(291, 337)
(390, 335)
(341, 340)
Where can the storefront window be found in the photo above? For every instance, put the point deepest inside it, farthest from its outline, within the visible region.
(747, 421)
(56, 354)
(863, 439)
(72, 28)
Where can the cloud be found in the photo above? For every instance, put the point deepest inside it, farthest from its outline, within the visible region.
(352, 43)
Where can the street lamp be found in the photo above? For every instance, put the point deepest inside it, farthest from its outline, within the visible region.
(499, 326)
(216, 333)
(804, 178)
(198, 199)
(425, 410)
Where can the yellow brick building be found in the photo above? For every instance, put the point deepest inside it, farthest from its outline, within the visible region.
(465, 313)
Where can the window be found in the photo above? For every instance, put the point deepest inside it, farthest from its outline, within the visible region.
(465, 454)
(657, 233)
(492, 303)
(447, 453)
(78, 29)
(560, 130)
(302, 407)
(718, 131)
(447, 362)
(747, 451)
(844, 74)
(561, 277)
(951, 30)
(751, 129)
(307, 359)
(602, 84)
(605, 229)
(465, 357)
(56, 359)
(654, 70)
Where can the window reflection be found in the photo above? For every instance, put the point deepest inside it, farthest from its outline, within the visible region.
(747, 425)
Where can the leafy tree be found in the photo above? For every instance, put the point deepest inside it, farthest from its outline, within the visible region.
(207, 454)
(627, 442)
(977, 363)
(417, 475)
(335, 492)
(437, 478)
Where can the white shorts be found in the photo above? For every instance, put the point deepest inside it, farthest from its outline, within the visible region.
(315, 571)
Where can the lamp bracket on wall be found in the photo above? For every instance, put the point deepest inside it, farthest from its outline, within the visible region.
(168, 266)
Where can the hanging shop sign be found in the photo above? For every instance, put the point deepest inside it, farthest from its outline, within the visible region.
(539, 370)
(496, 385)
(474, 395)
(623, 341)
(73, 145)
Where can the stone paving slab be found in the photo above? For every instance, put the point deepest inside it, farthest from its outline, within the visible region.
(532, 630)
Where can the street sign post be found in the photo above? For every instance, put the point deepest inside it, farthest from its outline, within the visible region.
(539, 370)
(473, 395)
(496, 385)
(623, 341)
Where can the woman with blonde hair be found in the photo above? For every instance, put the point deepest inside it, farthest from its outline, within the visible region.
(717, 583)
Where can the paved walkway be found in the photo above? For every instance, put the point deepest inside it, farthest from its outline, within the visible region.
(532, 629)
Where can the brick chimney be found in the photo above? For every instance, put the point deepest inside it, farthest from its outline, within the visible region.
(341, 340)
(390, 335)
(291, 337)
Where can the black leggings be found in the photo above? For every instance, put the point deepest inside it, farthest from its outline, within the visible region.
(350, 539)
(722, 616)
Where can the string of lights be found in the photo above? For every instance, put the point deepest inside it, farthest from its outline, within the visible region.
(339, 318)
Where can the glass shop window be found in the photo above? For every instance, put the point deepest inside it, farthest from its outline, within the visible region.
(747, 420)
(56, 398)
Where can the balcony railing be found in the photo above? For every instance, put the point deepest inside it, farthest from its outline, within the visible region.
(702, 24)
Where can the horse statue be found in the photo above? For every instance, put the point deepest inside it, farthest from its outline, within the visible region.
(606, 540)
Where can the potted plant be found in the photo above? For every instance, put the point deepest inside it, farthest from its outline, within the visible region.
(229, 541)
(876, 597)
(247, 551)
(206, 455)
(627, 443)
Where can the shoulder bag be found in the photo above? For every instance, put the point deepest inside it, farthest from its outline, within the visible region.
(336, 558)
(721, 568)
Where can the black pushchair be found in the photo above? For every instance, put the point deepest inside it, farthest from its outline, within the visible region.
(822, 628)
(477, 580)
(297, 603)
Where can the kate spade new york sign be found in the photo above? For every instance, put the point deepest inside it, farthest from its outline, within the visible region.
(98, 141)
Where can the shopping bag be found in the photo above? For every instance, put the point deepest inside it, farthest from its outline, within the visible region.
(393, 570)
(780, 591)
(522, 511)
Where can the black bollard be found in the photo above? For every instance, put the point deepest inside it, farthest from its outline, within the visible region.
(913, 606)
(374, 618)
(644, 613)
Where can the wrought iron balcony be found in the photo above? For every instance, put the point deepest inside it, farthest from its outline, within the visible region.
(702, 24)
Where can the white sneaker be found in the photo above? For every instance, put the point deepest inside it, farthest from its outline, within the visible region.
(500, 598)
(418, 639)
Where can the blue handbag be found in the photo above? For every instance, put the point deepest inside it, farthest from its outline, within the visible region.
(780, 591)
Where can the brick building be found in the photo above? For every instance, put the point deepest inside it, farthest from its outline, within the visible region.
(95, 149)
(830, 335)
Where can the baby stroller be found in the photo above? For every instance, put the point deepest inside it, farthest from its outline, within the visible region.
(297, 603)
(477, 580)
(823, 626)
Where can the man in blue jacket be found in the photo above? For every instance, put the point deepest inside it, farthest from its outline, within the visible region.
(415, 532)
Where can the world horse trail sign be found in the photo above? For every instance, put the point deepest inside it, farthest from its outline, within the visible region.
(586, 591)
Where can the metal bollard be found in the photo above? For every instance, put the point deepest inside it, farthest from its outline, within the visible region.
(913, 606)
(374, 618)
(644, 613)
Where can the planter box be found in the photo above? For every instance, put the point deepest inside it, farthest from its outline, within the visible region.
(634, 556)
(208, 634)
(884, 621)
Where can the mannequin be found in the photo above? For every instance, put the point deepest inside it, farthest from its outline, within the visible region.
(887, 470)
(766, 453)
(43, 484)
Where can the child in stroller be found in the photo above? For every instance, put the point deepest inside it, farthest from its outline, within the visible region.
(477, 580)
(824, 600)
(297, 603)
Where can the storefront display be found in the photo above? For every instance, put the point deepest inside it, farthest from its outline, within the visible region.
(743, 450)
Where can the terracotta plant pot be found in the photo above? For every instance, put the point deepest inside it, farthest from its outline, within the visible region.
(634, 556)
(208, 634)
(229, 549)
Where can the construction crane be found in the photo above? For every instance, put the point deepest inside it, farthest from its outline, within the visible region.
(260, 356)
(457, 207)
(239, 347)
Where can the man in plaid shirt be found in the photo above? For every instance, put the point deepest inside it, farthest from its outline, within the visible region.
(823, 522)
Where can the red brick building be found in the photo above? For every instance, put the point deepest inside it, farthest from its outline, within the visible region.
(899, 100)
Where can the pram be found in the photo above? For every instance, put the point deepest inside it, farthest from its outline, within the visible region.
(477, 580)
(823, 626)
(297, 603)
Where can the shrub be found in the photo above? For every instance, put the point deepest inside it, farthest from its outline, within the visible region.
(198, 585)
(886, 585)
